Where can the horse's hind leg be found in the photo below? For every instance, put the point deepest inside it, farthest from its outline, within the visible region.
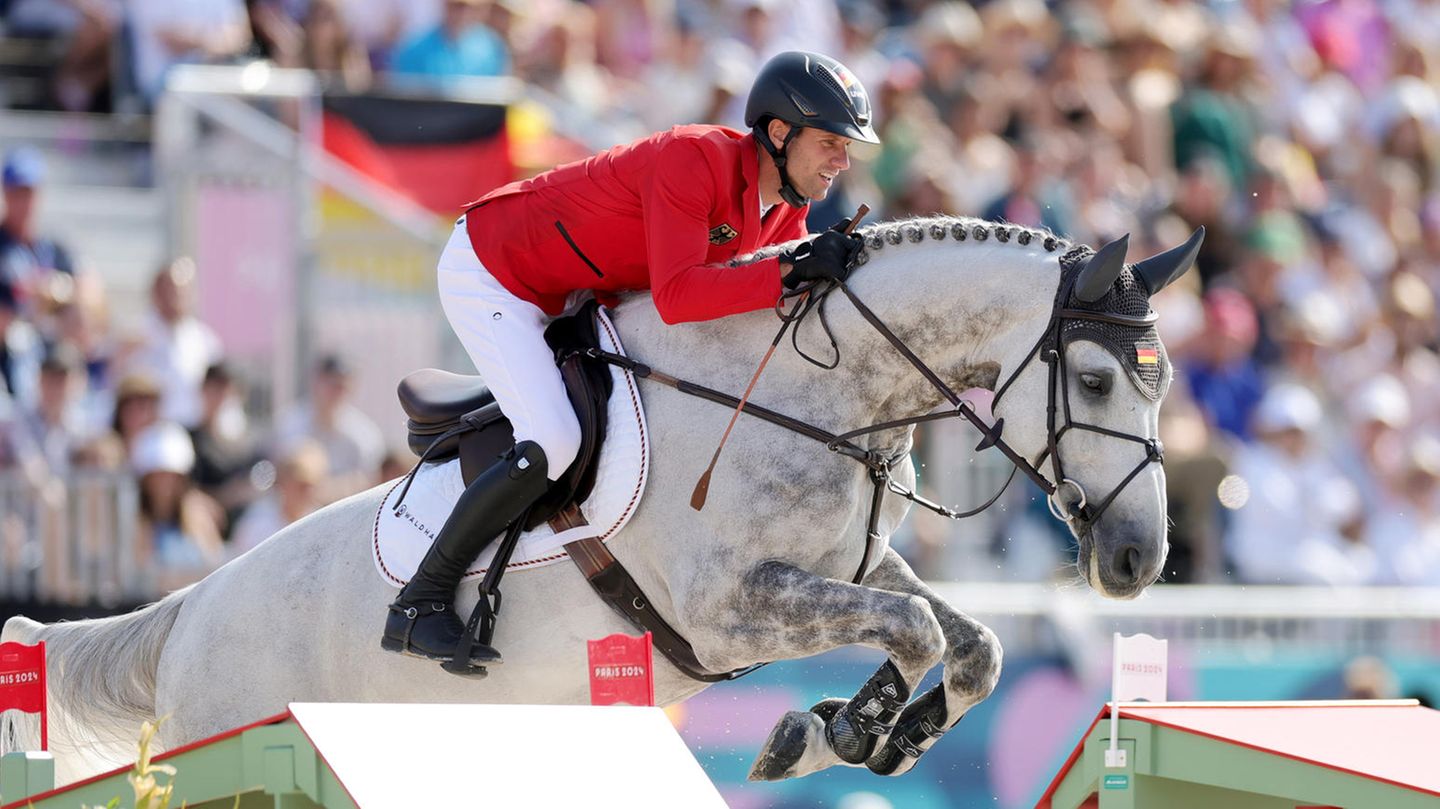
(792, 613)
(972, 667)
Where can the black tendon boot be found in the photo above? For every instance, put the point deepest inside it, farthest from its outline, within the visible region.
(422, 621)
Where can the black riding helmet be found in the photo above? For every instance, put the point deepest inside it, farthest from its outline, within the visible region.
(806, 89)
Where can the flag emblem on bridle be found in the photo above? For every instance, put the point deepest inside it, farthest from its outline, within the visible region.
(1146, 356)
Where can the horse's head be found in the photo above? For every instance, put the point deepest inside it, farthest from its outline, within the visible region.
(1102, 371)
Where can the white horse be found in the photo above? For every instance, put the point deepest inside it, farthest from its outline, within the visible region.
(761, 574)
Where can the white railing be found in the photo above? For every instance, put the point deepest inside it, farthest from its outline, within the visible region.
(1257, 622)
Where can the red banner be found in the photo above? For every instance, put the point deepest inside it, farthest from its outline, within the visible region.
(621, 671)
(22, 682)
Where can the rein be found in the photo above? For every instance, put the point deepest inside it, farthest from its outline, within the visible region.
(812, 299)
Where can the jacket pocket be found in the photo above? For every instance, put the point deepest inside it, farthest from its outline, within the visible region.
(566, 236)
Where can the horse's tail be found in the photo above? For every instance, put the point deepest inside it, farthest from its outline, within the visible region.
(100, 675)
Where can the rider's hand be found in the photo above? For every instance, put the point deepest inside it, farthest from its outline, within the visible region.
(829, 254)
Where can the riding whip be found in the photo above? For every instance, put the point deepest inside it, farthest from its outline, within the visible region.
(702, 486)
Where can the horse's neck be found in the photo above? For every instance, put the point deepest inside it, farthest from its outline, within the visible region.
(964, 309)
(968, 311)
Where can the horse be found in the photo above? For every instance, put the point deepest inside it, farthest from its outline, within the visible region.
(764, 572)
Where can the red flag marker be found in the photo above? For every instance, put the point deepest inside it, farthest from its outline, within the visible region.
(622, 671)
(22, 683)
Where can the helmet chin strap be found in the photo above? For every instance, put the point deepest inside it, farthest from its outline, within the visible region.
(787, 190)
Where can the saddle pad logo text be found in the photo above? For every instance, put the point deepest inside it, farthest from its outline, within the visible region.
(722, 233)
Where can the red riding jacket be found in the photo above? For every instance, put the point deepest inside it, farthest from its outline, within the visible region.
(662, 213)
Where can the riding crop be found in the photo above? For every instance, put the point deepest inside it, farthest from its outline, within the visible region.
(702, 486)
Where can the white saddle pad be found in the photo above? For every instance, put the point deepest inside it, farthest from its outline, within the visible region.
(403, 536)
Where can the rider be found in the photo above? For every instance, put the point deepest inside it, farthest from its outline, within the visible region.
(663, 213)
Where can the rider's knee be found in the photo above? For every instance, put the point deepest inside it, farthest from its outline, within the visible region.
(561, 442)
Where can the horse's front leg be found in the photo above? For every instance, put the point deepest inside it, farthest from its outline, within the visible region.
(972, 668)
(790, 613)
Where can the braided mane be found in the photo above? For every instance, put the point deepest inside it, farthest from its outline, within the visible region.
(936, 228)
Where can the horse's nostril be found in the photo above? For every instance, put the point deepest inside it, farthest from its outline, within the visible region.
(1127, 563)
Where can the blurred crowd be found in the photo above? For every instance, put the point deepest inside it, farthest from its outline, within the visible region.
(160, 406)
(1303, 444)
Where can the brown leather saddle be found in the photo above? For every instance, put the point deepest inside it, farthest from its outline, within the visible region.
(455, 414)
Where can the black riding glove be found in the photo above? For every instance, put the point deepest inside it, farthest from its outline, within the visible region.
(828, 255)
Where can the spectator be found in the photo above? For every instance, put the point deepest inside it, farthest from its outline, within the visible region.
(1195, 468)
(137, 407)
(80, 323)
(165, 33)
(352, 443)
(1369, 678)
(461, 45)
(29, 261)
(175, 347)
(86, 28)
(300, 481)
(1405, 528)
(949, 35)
(56, 426)
(560, 58)
(11, 451)
(1300, 523)
(20, 351)
(224, 449)
(320, 41)
(1221, 372)
(179, 531)
(1031, 200)
(381, 25)
(1215, 117)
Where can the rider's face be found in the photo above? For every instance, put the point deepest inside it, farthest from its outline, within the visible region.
(815, 159)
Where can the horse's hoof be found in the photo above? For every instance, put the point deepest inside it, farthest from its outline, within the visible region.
(782, 754)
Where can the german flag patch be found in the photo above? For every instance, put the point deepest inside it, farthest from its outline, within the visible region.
(1147, 356)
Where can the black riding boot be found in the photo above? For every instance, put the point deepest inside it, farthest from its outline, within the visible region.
(422, 621)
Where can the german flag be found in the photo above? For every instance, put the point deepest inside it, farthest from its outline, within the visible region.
(440, 153)
(1147, 356)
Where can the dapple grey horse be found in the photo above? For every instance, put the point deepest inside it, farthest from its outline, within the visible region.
(761, 574)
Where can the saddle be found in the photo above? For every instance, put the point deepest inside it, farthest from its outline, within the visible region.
(455, 414)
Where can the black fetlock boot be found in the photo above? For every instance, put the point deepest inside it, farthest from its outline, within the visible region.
(422, 621)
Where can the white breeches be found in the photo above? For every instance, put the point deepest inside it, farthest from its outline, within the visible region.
(505, 338)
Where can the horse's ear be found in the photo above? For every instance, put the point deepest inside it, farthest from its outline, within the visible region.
(1156, 272)
(1100, 272)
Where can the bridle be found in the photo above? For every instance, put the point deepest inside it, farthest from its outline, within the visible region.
(1079, 512)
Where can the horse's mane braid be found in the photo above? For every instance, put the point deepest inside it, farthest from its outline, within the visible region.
(938, 228)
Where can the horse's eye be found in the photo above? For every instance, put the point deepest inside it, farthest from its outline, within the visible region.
(1093, 383)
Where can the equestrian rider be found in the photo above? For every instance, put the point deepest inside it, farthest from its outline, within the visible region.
(663, 213)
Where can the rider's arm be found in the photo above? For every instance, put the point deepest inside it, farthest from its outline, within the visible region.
(677, 204)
